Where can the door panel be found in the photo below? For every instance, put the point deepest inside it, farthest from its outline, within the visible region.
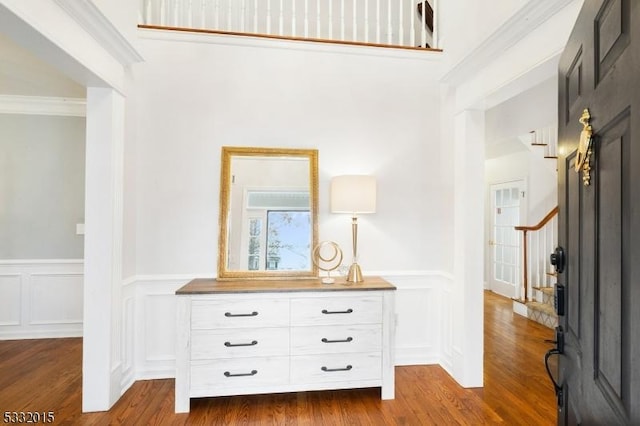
(599, 224)
(611, 361)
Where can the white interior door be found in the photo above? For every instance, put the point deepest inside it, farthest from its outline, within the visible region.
(507, 211)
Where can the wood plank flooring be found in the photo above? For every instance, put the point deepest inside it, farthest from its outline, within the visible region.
(45, 375)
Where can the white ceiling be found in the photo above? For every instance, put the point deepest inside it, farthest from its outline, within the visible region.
(21, 73)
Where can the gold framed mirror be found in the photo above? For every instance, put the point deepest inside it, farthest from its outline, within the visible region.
(268, 213)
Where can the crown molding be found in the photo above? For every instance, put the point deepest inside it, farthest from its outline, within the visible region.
(39, 105)
(518, 26)
(93, 21)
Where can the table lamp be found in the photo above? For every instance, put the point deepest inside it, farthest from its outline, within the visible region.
(354, 194)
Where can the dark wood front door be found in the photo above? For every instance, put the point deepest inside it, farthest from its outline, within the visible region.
(599, 227)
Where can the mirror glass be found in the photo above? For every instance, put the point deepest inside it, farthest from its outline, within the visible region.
(268, 213)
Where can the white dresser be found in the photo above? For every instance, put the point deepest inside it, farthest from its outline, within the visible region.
(251, 337)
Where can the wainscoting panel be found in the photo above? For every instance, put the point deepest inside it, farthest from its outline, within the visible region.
(10, 294)
(56, 298)
(155, 315)
(417, 318)
(41, 298)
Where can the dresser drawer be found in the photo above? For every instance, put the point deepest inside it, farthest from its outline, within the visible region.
(336, 310)
(336, 339)
(336, 368)
(227, 374)
(239, 342)
(240, 313)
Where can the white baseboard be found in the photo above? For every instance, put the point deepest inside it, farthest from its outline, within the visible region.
(520, 309)
(423, 355)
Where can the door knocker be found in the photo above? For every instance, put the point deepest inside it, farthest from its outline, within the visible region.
(585, 148)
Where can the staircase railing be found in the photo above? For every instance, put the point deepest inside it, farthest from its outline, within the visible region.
(395, 23)
(538, 242)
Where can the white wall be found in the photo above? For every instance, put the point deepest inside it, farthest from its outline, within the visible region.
(464, 25)
(531, 109)
(365, 114)
(41, 186)
(123, 14)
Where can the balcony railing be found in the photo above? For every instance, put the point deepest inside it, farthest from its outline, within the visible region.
(388, 23)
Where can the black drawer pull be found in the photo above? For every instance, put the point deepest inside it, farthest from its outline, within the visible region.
(348, 311)
(347, 368)
(233, 345)
(253, 373)
(252, 314)
(347, 340)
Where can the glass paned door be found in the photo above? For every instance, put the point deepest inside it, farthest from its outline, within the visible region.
(505, 242)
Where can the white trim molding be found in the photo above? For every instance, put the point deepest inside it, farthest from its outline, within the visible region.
(533, 14)
(93, 21)
(40, 105)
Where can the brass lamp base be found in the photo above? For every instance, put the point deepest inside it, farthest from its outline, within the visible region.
(355, 274)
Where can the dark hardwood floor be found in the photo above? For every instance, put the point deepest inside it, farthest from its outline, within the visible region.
(45, 375)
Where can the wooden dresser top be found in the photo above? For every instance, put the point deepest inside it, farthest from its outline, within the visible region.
(212, 286)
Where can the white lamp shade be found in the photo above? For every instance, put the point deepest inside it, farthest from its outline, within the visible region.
(353, 194)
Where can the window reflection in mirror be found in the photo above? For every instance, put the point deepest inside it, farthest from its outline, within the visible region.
(268, 213)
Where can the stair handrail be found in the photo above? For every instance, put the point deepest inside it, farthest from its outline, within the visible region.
(542, 223)
(525, 230)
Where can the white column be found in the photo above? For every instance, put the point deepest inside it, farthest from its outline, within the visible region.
(103, 249)
(468, 264)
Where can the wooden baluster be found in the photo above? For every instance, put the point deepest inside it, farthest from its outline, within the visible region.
(412, 36)
(255, 16)
(377, 21)
(146, 13)
(216, 14)
(355, 20)
(294, 19)
(342, 20)
(330, 12)
(175, 13)
(184, 13)
(423, 27)
(242, 14)
(203, 14)
(434, 33)
(162, 13)
(525, 283)
(306, 18)
(190, 13)
(318, 23)
(268, 16)
(281, 19)
(389, 28)
(366, 21)
(400, 23)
